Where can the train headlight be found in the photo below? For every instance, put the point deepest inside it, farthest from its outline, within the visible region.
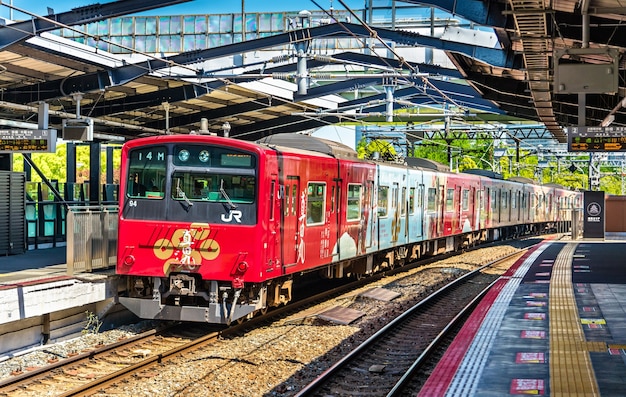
(242, 267)
(129, 260)
(183, 155)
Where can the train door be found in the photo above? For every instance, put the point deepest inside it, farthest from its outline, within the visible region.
(456, 222)
(473, 208)
(369, 214)
(273, 243)
(441, 210)
(292, 212)
(404, 213)
(395, 212)
(420, 209)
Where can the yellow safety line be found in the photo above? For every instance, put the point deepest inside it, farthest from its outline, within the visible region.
(571, 372)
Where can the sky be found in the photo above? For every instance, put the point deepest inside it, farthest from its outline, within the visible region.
(191, 7)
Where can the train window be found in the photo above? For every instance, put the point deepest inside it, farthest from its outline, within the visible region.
(294, 194)
(482, 203)
(354, 202)
(505, 199)
(146, 173)
(272, 206)
(494, 200)
(450, 200)
(200, 186)
(411, 200)
(514, 200)
(432, 199)
(420, 196)
(383, 200)
(403, 205)
(394, 196)
(316, 203)
(286, 198)
(465, 199)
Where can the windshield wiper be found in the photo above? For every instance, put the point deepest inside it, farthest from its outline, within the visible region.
(181, 193)
(230, 202)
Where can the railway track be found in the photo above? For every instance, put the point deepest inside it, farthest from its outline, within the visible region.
(82, 368)
(111, 367)
(389, 362)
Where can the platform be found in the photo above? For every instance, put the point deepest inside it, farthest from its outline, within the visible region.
(555, 325)
(39, 300)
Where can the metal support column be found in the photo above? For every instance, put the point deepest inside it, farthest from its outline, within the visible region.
(95, 197)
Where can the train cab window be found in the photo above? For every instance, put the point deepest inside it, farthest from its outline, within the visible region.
(146, 173)
(412, 200)
(353, 212)
(450, 200)
(432, 199)
(465, 199)
(316, 203)
(383, 201)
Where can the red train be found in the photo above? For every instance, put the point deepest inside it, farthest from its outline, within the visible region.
(215, 229)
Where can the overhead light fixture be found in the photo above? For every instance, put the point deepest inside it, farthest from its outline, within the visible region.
(226, 128)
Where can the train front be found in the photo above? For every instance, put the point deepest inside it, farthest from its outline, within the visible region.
(190, 241)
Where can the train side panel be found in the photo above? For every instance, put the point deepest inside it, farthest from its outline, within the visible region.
(310, 208)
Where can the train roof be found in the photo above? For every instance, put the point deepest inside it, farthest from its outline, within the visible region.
(418, 162)
(487, 173)
(313, 144)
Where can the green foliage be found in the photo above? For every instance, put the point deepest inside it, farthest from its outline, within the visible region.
(467, 163)
(93, 323)
(366, 150)
(53, 165)
(470, 153)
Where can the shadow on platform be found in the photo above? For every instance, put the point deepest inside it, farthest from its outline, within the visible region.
(33, 259)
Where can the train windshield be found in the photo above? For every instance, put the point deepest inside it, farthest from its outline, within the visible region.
(187, 182)
(146, 178)
(213, 174)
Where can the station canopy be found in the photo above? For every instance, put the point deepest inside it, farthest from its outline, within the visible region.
(494, 62)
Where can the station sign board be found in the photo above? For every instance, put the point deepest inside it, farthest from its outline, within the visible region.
(26, 141)
(593, 224)
(596, 139)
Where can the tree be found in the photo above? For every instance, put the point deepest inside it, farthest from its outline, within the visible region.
(53, 165)
(367, 150)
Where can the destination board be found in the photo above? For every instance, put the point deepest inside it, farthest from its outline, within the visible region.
(18, 141)
(596, 139)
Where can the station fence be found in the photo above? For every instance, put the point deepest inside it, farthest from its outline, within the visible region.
(91, 238)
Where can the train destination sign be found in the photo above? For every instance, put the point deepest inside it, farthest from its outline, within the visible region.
(26, 141)
(596, 139)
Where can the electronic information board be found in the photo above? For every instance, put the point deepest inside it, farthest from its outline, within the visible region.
(18, 141)
(596, 139)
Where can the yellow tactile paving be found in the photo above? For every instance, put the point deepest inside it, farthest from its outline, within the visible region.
(571, 372)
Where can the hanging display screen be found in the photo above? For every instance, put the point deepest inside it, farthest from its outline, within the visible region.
(12, 141)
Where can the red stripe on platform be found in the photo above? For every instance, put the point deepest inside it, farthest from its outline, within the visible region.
(439, 381)
(44, 280)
